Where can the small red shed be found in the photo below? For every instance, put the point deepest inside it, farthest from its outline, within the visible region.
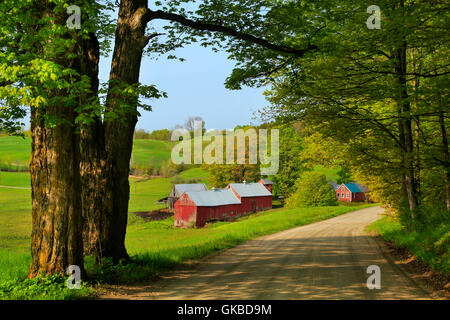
(351, 192)
(267, 183)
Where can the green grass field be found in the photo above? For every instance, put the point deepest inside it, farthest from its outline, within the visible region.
(144, 195)
(14, 153)
(151, 153)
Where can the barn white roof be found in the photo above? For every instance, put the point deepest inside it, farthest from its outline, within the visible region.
(250, 189)
(213, 198)
(182, 188)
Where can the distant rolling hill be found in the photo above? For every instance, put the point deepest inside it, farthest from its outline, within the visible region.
(15, 152)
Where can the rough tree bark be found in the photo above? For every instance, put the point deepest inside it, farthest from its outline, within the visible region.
(405, 132)
(93, 167)
(416, 84)
(445, 158)
(55, 180)
(55, 174)
(130, 41)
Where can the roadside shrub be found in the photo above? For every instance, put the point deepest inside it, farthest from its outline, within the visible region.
(43, 288)
(430, 245)
(312, 190)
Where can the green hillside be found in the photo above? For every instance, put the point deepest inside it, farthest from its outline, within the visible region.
(15, 152)
(151, 153)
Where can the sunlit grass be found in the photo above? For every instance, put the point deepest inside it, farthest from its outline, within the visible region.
(151, 152)
(431, 245)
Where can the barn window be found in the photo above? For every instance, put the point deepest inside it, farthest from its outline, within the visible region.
(348, 195)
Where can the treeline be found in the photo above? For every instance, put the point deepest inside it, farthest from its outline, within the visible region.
(163, 135)
(166, 134)
(297, 158)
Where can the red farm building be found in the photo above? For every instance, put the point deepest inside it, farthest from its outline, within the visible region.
(267, 183)
(351, 192)
(179, 189)
(197, 208)
(254, 196)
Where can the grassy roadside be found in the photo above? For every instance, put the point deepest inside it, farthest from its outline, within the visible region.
(154, 247)
(431, 246)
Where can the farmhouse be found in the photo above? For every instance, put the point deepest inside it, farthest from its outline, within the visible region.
(195, 208)
(179, 189)
(267, 183)
(351, 192)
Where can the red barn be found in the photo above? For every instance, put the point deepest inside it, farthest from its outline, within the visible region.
(267, 183)
(351, 192)
(197, 208)
(254, 196)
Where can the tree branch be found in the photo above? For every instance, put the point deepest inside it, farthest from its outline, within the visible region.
(159, 14)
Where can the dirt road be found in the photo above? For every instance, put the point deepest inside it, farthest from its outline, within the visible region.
(324, 260)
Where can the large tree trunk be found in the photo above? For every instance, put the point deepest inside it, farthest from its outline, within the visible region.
(416, 85)
(130, 41)
(55, 173)
(93, 167)
(56, 214)
(405, 133)
(55, 181)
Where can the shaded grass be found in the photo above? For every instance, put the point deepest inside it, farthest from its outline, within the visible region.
(431, 245)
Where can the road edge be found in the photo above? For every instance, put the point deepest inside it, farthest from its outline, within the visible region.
(430, 281)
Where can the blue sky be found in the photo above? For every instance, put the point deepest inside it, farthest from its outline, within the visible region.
(195, 87)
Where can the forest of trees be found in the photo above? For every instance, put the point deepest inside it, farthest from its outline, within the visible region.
(379, 97)
(378, 101)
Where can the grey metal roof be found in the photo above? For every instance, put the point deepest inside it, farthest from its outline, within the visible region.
(213, 198)
(267, 181)
(250, 189)
(182, 188)
(334, 185)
